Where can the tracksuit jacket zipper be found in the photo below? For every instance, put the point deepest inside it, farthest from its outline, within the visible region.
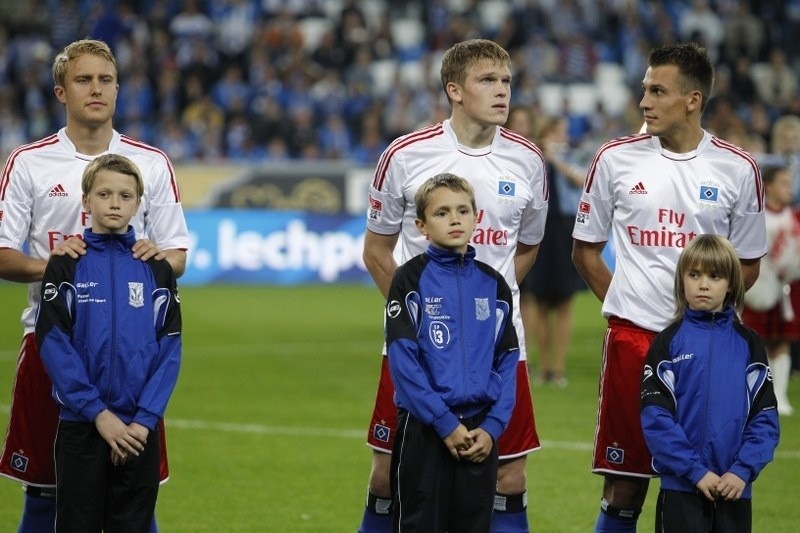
(459, 273)
(112, 302)
(710, 373)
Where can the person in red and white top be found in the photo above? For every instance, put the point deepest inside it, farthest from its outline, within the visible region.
(655, 192)
(507, 172)
(40, 203)
(769, 305)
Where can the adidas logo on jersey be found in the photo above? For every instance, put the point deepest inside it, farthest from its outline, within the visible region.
(638, 189)
(58, 190)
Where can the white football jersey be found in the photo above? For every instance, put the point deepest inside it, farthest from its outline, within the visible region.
(40, 199)
(654, 201)
(783, 239)
(510, 191)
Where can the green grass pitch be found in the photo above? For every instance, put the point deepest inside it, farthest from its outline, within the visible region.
(266, 427)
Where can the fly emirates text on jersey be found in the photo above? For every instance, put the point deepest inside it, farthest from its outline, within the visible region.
(670, 233)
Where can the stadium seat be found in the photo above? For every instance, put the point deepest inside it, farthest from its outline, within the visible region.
(383, 75)
(492, 14)
(614, 94)
(551, 97)
(412, 73)
(313, 28)
(582, 98)
(409, 38)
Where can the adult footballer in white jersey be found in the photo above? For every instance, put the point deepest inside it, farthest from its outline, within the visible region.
(40, 204)
(655, 192)
(508, 174)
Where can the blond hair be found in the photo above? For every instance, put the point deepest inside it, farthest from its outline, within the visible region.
(113, 163)
(778, 135)
(76, 49)
(710, 253)
(451, 181)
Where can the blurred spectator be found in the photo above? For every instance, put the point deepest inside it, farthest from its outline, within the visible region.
(330, 54)
(701, 24)
(577, 59)
(334, 138)
(235, 23)
(351, 31)
(776, 82)
(740, 82)
(302, 131)
(744, 35)
(136, 101)
(202, 115)
(329, 94)
(231, 92)
(371, 144)
(785, 145)
(66, 23)
(190, 26)
(280, 35)
(177, 142)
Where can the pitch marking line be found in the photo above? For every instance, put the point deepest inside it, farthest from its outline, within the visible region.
(260, 429)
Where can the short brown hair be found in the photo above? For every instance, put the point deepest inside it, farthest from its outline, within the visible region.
(459, 57)
(451, 181)
(114, 163)
(694, 66)
(76, 49)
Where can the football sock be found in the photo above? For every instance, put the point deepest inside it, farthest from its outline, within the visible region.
(510, 513)
(613, 520)
(153, 525)
(377, 515)
(39, 514)
(781, 368)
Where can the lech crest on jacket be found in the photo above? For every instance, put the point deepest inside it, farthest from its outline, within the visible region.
(481, 308)
(135, 294)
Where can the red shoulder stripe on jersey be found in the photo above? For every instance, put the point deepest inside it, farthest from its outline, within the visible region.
(524, 141)
(725, 145)
(6, 176)
(400, 143)
(138, 144)
(516, 137)
(607, 146)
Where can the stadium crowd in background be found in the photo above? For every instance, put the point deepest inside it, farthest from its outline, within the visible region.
(266, 80)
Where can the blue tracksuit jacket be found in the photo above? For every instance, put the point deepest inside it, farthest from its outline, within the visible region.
(108, 332)
(451, 342)
(707, 401)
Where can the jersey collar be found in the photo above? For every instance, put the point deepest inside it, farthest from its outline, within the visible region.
(474, 152)
(704, 142)
(69, 146)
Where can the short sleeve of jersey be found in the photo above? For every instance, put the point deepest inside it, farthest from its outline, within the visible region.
(596, 208)
(748, 231)
(16, 201)
(386, 201)
(532, 225)
(165, 223)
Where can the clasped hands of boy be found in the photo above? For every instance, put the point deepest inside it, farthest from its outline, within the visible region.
(729, 486)
(474, 445)
(125, 439)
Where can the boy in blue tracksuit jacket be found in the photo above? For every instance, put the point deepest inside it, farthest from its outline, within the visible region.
(452, 352)
(708, 410)
(108, 332)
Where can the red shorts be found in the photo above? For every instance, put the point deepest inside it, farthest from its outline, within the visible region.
(518, 439)
(619, 446)
(771, 324)
(28, 453)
